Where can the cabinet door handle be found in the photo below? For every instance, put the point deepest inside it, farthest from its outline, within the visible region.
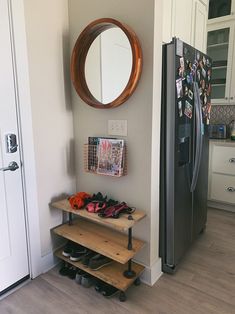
(226, 98)
(232, 160)
(230, 189)
(231, 98)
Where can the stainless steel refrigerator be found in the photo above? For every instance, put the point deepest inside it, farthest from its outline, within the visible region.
(186, 106)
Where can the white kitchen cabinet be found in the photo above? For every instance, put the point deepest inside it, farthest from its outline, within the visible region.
(221, 192)
(185, 19)
(167, 21)
(220, 47)
(221, 8)
(182, 19)
(199, 25)
(232, 82)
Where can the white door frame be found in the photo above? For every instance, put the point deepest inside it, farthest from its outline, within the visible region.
(20, 60)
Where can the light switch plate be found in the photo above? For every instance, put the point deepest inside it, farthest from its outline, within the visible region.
(117, 127)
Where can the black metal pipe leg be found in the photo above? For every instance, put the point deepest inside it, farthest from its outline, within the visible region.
(129, 239)
(129, 273)
(70, 219)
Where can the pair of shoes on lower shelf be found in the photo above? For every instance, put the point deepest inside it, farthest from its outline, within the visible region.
(95, 260)
(84, 279)
(105, 289)
(68, 270)
(77, 252)
(74, 251)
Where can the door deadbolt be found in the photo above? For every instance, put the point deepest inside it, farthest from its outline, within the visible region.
(11, 143)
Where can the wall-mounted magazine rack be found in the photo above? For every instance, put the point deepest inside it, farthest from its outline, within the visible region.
(105, 156)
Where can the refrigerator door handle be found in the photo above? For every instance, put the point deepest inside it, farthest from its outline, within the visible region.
(199, 136)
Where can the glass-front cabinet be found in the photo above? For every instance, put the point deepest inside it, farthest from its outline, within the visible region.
(219, 8)
(220, 42)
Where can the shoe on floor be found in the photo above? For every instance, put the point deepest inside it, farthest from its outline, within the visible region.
(68, 270)
(79, 275)
(109, 291)
(87, 281)
(64, 270)
(100, 285)
(72, 272)
(78, 252)
(98, 261)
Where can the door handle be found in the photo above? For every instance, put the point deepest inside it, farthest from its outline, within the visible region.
(199, 136)
(230, 189)
(11, 167)
(232, 160)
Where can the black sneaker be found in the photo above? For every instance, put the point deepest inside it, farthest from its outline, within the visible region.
(78, 253)
(64, 270)
(109, 291)
(99, 261)
(69, 247)
(72, 272)
(86, 258)
(100, 285)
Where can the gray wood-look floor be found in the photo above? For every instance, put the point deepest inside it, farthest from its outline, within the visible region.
(205, 283)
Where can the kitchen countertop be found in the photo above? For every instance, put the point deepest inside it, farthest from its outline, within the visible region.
(226, 142)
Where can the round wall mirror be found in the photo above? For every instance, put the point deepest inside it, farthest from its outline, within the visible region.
(106, 63)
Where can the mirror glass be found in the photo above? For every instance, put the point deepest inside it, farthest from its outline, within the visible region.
(108, 65)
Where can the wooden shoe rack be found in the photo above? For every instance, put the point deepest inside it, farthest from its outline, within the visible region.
(107, 236)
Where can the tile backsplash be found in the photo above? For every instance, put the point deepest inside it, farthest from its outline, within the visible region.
(222, 114)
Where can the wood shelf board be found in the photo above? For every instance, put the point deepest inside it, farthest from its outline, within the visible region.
(219, 67)
(105, 241)
(121, 223)
(112, 274)
(219, 84)
(218, 45)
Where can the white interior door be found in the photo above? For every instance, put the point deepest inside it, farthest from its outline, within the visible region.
(13, 243)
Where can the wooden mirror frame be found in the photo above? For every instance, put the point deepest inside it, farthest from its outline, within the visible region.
(79, 55)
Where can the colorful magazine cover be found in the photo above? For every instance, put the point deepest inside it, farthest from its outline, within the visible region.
(110, 157)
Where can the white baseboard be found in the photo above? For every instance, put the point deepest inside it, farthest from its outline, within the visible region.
(151, 274)
(47, 263)
(230, 208)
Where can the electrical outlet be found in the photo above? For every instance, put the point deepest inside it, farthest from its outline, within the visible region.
(117, 127)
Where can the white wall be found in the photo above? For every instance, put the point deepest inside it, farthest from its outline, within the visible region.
(52, 119)
(140, 187)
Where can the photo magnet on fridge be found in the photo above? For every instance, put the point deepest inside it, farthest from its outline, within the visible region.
(198, 55)
(209, 75)
(190, 94)
(198, 75)
(188, 79)
(208, 63)
(203, 72)
(204, 59)
(182, 62)
(188, 111)
(181, 72)
(203, 84)
(180, 108)
(179, 88)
